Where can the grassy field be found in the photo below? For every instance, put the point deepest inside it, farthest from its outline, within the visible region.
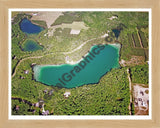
(74, 25)
(40, 23)
(67, 17)
(143, 39)
(136, 40)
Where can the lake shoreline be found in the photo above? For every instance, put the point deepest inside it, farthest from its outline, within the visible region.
(38, 68)
(114, 45)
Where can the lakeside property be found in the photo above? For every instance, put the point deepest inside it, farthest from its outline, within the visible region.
(99, 60)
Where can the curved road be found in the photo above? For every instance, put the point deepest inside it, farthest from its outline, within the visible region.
(52, 53)
(23, 60)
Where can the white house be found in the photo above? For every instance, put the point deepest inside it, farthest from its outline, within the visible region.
(67, 94)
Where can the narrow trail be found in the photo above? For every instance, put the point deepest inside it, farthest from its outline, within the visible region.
(79, 47)
(22, 61)
(130, 88)
(140, 41)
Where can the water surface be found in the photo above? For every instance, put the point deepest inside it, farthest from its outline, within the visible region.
(116, 32)
(28, 27)
(31, 45)
(88, 71)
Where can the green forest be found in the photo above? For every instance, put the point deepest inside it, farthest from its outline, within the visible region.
(110, 96)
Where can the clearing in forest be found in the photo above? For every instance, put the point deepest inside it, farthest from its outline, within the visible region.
(48, 17)
(76, 26)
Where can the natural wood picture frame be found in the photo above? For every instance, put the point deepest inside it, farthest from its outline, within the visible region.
(4, 8)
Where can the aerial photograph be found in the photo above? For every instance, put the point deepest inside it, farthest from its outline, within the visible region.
(79, 63)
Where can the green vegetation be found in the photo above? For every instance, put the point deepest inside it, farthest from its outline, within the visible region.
(138, 52)
(136, 40)
(146, 54)
(140, 74)
(67, 17)
(20, 16)
(62, 32)
(144, 40)
(17, 38)
(30, 45)
(111, 95)
(19, 107)
(14, 13)
(40, 23)
(105, 98)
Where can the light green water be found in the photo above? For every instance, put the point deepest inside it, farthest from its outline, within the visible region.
(100, 60)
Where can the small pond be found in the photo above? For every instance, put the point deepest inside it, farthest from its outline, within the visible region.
(116, 32)
(31, 45)
(28, 27)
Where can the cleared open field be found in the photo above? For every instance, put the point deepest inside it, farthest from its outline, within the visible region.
(74, 26)
(141, 99)
(49, 17)
(136, 40)
(143, 39)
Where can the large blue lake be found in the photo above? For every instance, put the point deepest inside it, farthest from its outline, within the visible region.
(99, 60)
(29, 28)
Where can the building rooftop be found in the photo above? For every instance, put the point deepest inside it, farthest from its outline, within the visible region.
(67, 94)
(26, 72)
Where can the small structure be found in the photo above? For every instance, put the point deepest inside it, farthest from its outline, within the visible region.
(26, 72)
(17, 107)
(45, 91)
(139, 99)
(45, 113)
(14, 57)
(41, 103)
(50, 92)
(105, 35)
(144, 104)
(113, 17)
(34, 14)
(33, 64)
(37, 104)
(12, 19)
(141, 92)
(67, 94)
(75, 32)
(34, 111)
(116, 16)
(21, 77)
(43, 108)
